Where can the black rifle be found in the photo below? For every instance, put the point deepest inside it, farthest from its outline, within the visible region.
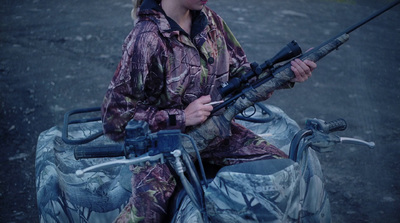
(239, 94)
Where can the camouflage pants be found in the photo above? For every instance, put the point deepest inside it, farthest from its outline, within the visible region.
(152, 186)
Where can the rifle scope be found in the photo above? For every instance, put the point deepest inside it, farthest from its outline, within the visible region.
(291, 50)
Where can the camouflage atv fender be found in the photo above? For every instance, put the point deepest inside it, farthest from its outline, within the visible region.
(64, 197)
(279, 131)
(269, 191)
(264, 191)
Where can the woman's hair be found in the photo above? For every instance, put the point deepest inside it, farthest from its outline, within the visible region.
(136, 6)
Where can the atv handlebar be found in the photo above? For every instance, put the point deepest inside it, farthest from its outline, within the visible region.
(318, 135)
(326, 127)
(85, 152)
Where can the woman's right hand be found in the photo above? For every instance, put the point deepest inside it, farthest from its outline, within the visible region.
(198, 111)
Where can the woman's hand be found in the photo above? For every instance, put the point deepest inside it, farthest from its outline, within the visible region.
(302, 69)
(198, 111)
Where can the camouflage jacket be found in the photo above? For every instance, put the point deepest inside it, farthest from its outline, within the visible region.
(163, 69)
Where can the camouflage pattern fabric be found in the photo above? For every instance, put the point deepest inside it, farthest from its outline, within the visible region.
(251, 193)
(242, 146)
(275, 190)
(187, 213)
(62, 196)
(100, 196)
(154, 185)
(278, 131)
(163, 69)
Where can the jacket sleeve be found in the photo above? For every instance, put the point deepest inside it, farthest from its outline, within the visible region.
(238, 63)
(136, 88)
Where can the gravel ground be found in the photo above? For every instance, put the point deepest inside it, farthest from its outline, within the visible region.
(61, 55)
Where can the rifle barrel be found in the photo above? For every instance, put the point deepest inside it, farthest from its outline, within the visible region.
(371, 17)
(354, 27)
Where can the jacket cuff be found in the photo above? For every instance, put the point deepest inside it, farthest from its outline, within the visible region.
(176, 119)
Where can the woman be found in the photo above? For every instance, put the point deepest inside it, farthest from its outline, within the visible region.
(173, 60)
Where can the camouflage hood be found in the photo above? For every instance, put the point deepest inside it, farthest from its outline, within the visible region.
(163, 69)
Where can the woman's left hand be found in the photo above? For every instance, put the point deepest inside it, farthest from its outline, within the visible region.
(302, 69)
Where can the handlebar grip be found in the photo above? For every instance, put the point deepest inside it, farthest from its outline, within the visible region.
(85, 152)
(336, 125)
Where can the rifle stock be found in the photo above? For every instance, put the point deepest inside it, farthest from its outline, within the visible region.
(219, 126)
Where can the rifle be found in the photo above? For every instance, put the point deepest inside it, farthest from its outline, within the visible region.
(239, 94)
